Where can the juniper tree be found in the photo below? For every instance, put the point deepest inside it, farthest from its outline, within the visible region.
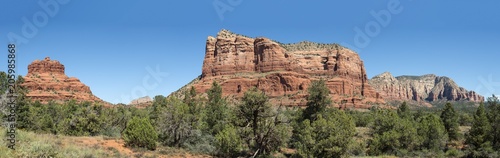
(433, 132)
(317, 100)
(217, 112)
(478, 137)
(264, 129)
(404, 111)
(450, 120)
(330, 135)
(494, 117)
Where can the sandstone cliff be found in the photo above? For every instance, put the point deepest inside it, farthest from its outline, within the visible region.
(141, 100)
(47, 81)
(421, 88)
(284, 71)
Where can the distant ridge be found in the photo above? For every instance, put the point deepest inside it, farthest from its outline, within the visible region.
(427, 87)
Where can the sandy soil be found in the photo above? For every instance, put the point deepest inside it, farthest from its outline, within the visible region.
(113, 145)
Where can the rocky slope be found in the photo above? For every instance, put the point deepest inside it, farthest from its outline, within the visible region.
(284, 71)
(421, 88)
(46, 81)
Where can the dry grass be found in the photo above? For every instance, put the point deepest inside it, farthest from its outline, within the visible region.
(30, 144)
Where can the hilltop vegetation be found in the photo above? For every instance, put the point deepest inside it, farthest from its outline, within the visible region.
(309, 46)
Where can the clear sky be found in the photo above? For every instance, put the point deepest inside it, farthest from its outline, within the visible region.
(111, 45)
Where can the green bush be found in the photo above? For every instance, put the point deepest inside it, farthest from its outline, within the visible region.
(433, 132)
(453, 153)
(465, 119)
(361, 119)
(228, 142)
(200, 143)
(392, 134)
(317, 100)
(175, 124)
(264, 130)
(140, 133)
(478, 138)
(328, 136)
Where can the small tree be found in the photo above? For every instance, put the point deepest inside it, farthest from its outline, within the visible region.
(140, 133)
(391, 134)
(228, 142)
(159, 103)
(217, 112)
(174, 123)
(450, 120)
(317, 100)
(479, 134)
(263, 128)
(192, 101)
(404, 111)
(433, 132)
(194, 106)
(493, 105)
(328, 136)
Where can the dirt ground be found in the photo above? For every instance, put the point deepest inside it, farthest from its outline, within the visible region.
(113, 145)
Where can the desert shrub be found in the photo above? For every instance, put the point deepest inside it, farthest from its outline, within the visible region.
(357, 148)
(404, 110)
(330, 135)
(140, 133)
(453, 153)
(465, 119)
(361, 119)
(228, 142)
(392, 134)
(174, 123)
(112, 131)
(200, 143)
(81, 120)
(433, 132)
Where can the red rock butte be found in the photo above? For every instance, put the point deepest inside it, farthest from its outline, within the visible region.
(47, 81)
(284, 71)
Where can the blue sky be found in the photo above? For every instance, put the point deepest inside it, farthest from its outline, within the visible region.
(110, 45)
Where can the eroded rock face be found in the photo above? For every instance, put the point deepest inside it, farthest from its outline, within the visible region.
(284, 71)
(141, 100)
(421, 88)
(47, 81)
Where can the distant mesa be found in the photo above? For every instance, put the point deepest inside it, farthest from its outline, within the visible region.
(141, 102)
(425, 88)
(46, 80)
(283, 71)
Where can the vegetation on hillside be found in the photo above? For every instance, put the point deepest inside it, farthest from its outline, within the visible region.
(255, 128)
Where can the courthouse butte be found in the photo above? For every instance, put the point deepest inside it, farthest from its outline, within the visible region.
(283, 71)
